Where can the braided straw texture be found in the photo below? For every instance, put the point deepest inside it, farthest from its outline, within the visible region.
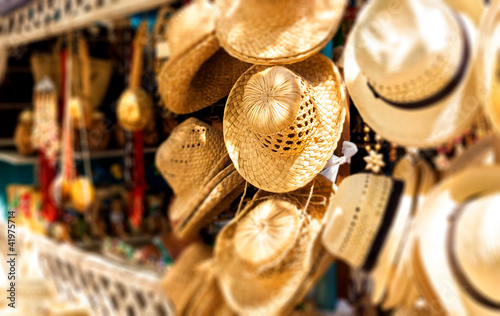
(276, 32)
(267, 169)
(273, 288)
(354, 216)
(135, 109)
(199, 77)
(179, 284)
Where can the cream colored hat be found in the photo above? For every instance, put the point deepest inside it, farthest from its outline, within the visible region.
(488, 70)
(270, 32)
(457, 249)
(366, 222)
(479, 154)
(194, 162)
(407, 67)
(474, 9)
(199, 72)
(282, 123)
(269, 255)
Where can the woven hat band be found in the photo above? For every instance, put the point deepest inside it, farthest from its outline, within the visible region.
(384, 94)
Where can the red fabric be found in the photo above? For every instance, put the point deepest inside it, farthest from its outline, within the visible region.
(47, 175)
(138, 192)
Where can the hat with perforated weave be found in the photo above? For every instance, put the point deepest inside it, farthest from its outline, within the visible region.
(365, 225)
(282, 123)
(268, 257)
(408, 67)
(199, 72)
(194, 162)
(456, 253)
(271, 32)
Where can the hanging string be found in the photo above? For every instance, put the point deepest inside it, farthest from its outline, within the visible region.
(242, 198)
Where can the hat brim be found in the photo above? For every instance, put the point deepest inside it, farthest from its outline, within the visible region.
(426, 127)
(199, 77)
(198, 208)
(276, 40)
(434, 277)
(275, 173)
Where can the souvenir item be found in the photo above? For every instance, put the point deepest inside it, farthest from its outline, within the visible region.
(276, 32)
(474, 9)
(82, 193)
(22, 134)
(135, 106)
(79, 106)
(488, 70)
(269, 256)
(194, 162)
(282, 123)
(199, 72)
(99, 133)
(408, 67)
(457, 246)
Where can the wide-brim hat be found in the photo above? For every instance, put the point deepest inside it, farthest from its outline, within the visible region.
(199, 72)
(456, 249)
(411, 83)
(488, 82)
(268, 257)
(481, 153)
(276, 32)
(194, 162)
(282, 123)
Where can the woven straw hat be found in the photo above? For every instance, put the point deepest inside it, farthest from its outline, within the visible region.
(282, 123)
(480, 154)
(457, 249)
(488, 63)
(276, 32)
(474, 9)
(407, 68)
(365, 224)
(194, 162)
(198, 73)
(269, 256)
(179, 281)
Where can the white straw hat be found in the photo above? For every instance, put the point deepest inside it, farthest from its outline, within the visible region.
(456, 256)
(407, 67)
(282, 123)
(271, 32)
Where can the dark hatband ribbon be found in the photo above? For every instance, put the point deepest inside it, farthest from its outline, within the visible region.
(387, 220)
(457, 270)
(443, 93)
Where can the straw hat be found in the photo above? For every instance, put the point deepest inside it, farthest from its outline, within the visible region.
(474, 9)
(269, 255)
(366, 225)
(194, 162)
(457, 249)
(179, 282)
(282, 123)
(480, 154)
(199, 72)
(276, 32)
(407, 68)
(488, 65)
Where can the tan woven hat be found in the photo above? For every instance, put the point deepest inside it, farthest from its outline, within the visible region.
(269, 256)
(366, 223)
(407, 67)
(488, 69)
(457, 249)
(179, 282)
(276, 32)
(282, 123)
(199, 72)
(194, 162)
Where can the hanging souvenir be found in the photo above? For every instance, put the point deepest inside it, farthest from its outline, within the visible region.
(22, 134)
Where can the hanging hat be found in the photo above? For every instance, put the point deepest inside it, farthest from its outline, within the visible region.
(199, 72)
(474, 9)
(194, 162)
(456, 255)
(479, 154)
(276, 32)
(366, 224)
(282, 123)
(178, 282)
(269, 255)
(407, 68)
(488, 70)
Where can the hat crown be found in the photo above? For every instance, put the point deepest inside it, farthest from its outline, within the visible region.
(397, 41)
(280, 110)
(190, 25)
(190, 155)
